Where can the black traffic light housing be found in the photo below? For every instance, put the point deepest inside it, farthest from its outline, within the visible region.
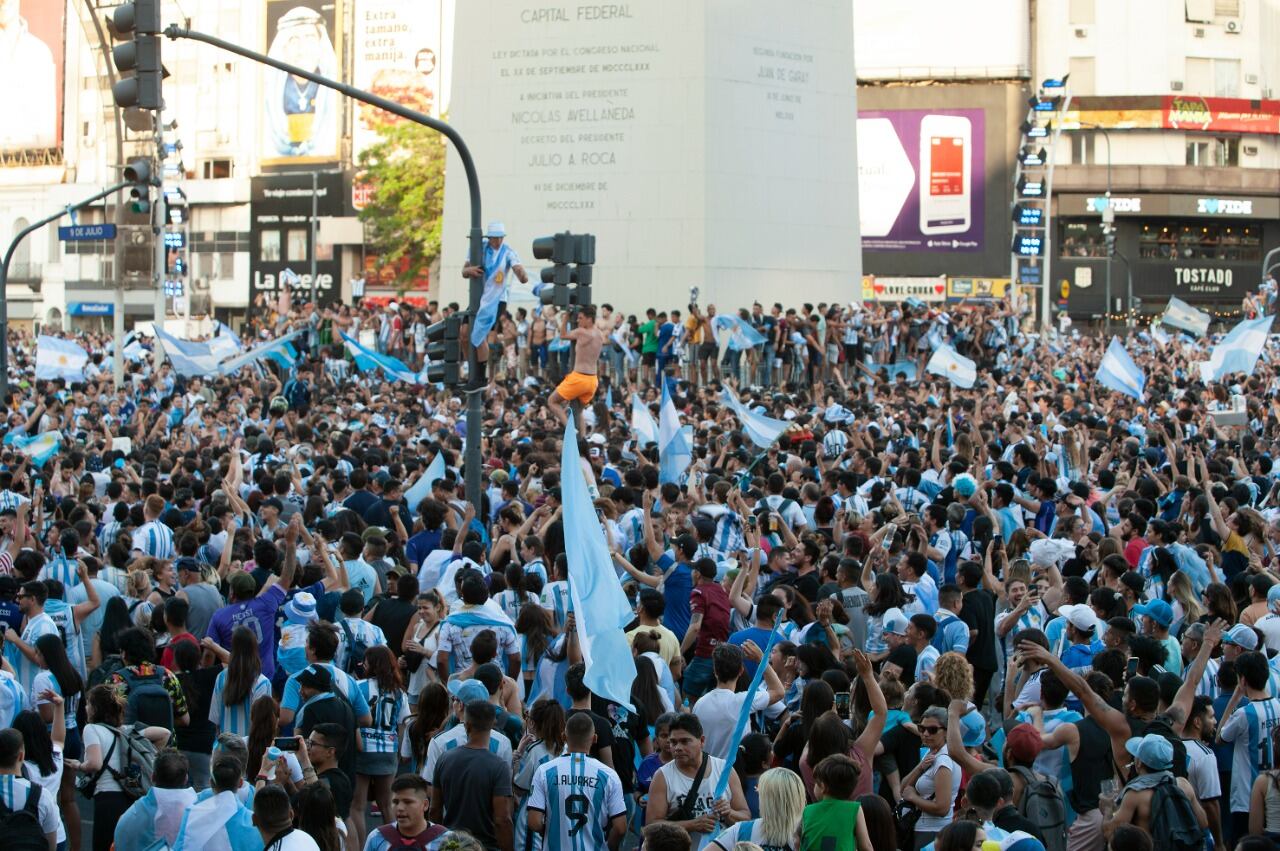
(444, 350)
(138, 172)
(565, 250)
(141, 55)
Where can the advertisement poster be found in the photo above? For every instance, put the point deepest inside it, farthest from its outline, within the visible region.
(921, 180)
(31, 35)
(397, 56)
(300, 118)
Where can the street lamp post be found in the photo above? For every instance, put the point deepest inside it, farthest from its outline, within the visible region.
(1108, 224)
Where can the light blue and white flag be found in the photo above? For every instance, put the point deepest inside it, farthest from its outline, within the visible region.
(187, 358)
(1239, 350)
(1181, 315)
(1160, 335)
(39, 448)
(674, 451)
(958, 369)
(762, 430)
(367, 360)
(495, 271)
(221, 329)
(643, 425)
(599, 604)
(279, 346)
(286, 356)
(608, 397)
(735, 332)
(58, 358)
(1119, 373)
(422, 487)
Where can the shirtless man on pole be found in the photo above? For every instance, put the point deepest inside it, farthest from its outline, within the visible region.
(580, 385)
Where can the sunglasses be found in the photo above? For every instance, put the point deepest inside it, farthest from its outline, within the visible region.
(931, 730)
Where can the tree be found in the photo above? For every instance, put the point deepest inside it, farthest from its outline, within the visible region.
(405, 215)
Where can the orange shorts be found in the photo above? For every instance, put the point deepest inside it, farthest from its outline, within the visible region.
(578, 387)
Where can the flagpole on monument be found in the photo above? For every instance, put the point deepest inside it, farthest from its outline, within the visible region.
(475, 252)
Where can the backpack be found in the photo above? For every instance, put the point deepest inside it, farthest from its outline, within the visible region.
(110, 666)
(356, 648)
(1043, 805)
(139, 761)
(1160, 727)
(21, 827)
(1171, 809)
(148, 702)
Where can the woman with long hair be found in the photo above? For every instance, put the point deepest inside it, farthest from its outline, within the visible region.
(542, 742)
(536, 631)
(44, 746)
(239, 684)
(264, 726)
(886, 594)
(781, 809)
(196, 738)
(115, 617)
(828, 735)
(432, 710)
(421, 638)
(880, 824)
(816, 699)
(59, 677)
(1220, 603)
(376, 761)
(960, 836)
(648, 643)
(317, 816)
(1187, 607)
(649, 699)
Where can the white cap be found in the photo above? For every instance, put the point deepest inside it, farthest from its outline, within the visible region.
(495, 229)
(1080, 616)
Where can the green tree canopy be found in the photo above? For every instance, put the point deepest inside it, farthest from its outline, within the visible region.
(405, 214)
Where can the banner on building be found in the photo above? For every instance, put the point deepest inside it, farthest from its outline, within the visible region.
(397, 56)
(31, 61)
(300, 118)
(875, 288)
(977, 289)
(1175, 112)
(921, 180)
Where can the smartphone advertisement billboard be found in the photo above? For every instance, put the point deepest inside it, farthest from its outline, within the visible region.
(921, 180)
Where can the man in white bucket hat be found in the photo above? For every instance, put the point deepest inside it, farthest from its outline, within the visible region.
(500, 262)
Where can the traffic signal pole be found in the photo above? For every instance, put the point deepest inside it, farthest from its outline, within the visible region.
(160, 214)
(4, 277)
(475, 252)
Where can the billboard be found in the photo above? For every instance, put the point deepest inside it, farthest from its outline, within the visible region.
(31, 35)
(300, 118)
(397, 56)
(1175, 112)
(280, 242)
(922, 180)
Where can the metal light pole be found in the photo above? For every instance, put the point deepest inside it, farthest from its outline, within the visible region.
(315, 187)
(159, 213)
(1108, 224)
(4, 279)
(475, 240)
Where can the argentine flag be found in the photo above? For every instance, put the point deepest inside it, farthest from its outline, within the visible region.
(277, 349)
(1239, 350)
(39, 448)
(1181, 315)
(674, 452)
(961, 371)
(762, 430)
(422, 487)
(1119, 373)
(643, 425)
(739, 332)
(600, 606)
(187, 358)
(58, 358)
(367, 360)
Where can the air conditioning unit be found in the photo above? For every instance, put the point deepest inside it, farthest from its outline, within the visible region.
(1175, 85)
(1231, 26)
(1249, 150)
(1081, 32)
(1198, 32)
(1251, 79)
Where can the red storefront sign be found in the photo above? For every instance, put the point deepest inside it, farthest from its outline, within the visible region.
(1226, 115)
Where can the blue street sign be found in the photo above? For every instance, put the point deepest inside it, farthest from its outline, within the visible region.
(80, 233)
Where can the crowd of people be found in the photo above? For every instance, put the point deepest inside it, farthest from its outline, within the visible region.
(1030, 614)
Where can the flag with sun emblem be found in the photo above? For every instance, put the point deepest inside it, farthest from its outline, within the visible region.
(58, 358)
(957, 368)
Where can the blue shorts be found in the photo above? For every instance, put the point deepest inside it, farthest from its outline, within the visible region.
(699, 678)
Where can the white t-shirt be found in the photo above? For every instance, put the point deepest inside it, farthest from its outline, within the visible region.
(103, 736)
(296, 840)
(49, 784)
(14, 792)
(1269, 626)
(925, 785)
(718, 710)
(678, 786)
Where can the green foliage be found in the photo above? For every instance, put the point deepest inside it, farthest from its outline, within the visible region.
(404, 217)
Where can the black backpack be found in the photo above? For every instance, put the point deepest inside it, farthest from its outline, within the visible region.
(1171, 810)
(1044, 806)
(110, 665)
(148, 701)
(1160, 727)
(356, 648)
(21, 828)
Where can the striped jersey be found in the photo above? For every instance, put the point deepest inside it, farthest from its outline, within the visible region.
(1250, 728)
(154, 539)
(26, 670)
(371, 635)
(108, 533)
(12, 699)
(456, 737)
(510, 603)
(62, 569)
(235, 718)
(46, 681)
(555, 599)
(388, 711)
(579, 796)
(9, 499)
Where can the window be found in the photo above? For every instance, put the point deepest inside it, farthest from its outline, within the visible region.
(1082, 239)
(226, 267)
(1199, 11)
(1195, 240)
(1221, 151)
(1216, 77)
(1081, 12)
(216, 169)
(204, 265)
(1082, 76)
(1226, 8)
(297, 245)
(269, 249)
(1226, 78)
(1082, 142)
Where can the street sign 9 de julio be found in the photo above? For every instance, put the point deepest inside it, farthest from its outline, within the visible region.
(81, 233)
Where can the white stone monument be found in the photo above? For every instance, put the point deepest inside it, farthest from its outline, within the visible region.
(706, 143)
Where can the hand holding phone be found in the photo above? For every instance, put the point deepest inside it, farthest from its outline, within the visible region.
(286, 743)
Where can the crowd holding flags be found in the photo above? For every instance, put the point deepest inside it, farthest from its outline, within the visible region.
(1118, 371)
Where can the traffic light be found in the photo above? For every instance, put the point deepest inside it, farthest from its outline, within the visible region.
(559, 249)
(1109, 234)
(444, 350)
(141, 55)
(138, 172)
(584, 256)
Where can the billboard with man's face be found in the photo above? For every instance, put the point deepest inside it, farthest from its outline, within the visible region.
(300, 118)
(31, 53)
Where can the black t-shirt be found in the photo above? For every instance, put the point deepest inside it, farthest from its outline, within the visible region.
(904, 656)
(628, 731)
(604, 733)
(978, 611)
(476, 777)
(1010, 820)
(333, 708)
(200, 733)
(340, 786)
(1091, 765)
(905, 748)
(808, 585)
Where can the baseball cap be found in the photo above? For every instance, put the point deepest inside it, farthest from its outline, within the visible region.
(316, 677)
(1241, 636)
(1080, 616)
(973, 729)
(1154, 751)
(302, 608)
(1273, 596)
(187, 563)
(895, 622)
(1020, 840)
(1158, 610)
(468, 690)
(1023, 743)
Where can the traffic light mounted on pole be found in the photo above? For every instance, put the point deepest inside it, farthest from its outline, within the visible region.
(138, 172)
(565, 250)
(141, 19)
(444, 351)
